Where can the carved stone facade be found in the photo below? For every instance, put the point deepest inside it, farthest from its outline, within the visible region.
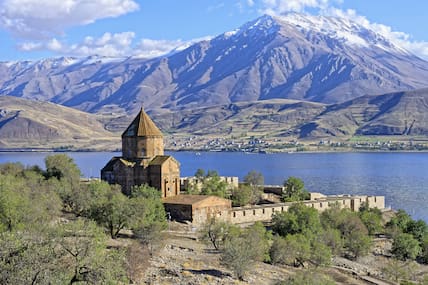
(143, 160)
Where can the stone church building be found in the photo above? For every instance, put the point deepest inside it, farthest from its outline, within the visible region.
(143, 160)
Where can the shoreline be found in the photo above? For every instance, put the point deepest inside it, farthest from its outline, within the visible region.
(51, 150)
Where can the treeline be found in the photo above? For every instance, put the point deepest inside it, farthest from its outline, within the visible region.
(56, 229)
(303, 237)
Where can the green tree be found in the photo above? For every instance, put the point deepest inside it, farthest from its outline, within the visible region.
(242, 248)
(399, 222)
(333, 239)
(63, 168)
(260, 238)
(242, 195)
(255, 181)
(200, 173)
(61, 254)
(14, 203)
(298, 219)
(418, 229)
(292, 250)
(149, 219)
(424, 249)
(238, 255)
(217, 232)
(405, 246)
(113, 211)
(213, 185)
(372, 219)
(84, 256)
(320, 254)
(358, 243)
(294, 190)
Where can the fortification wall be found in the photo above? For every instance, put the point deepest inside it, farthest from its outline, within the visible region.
(263, 213)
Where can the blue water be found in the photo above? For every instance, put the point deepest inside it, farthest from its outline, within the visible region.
(401, 177)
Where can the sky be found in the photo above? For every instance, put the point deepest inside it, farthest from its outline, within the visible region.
(36, 29)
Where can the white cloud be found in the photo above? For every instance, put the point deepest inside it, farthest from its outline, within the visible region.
(110, 45)
(282, 6)
(35, 19)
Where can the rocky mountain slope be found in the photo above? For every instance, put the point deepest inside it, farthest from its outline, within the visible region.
(35, 124)
(401, 113)
(312, 58)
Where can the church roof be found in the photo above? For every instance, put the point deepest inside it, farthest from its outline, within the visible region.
(196, 200)
(159, 159)
(142, 126)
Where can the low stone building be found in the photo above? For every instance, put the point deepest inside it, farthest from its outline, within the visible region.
(197, 208)
(143, 160)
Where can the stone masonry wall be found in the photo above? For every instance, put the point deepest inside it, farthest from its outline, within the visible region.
(263, 213)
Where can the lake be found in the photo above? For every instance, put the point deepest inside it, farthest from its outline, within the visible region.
(401, 177)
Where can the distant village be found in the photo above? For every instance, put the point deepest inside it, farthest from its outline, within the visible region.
(254, 144)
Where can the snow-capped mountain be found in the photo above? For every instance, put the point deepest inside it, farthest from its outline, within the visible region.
(313, 58)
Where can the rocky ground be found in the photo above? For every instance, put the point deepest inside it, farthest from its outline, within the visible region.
(182, 259)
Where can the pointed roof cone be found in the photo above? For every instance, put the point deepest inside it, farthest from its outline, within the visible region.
(142, 126)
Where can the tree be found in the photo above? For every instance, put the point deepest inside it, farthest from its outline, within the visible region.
(259, 238)
(60, 254)
(242, 195)
(418, 229)
(113, 211)
(294, 190)
(372, 221)
(84, 256)
(298, 219)
(320, 254)
(242, 248)
(149, 219)
(405, 246)
(238, 255)
(399, 222)
(213, 185)
(292, 250)
(217, 232)
(63, 168)
(200, 173)
(358, 243)
(395, 270)
(332, 238)
(14, 203)
(424, 248)
(255, 181)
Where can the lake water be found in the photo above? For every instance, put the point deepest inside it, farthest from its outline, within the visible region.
(401, 177)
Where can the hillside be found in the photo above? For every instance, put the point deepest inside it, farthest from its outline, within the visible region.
(401, 113)
(35, 124)
(301, 57)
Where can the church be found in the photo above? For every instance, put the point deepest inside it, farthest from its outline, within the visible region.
(143, 160)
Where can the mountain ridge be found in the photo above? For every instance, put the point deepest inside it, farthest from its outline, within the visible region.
(300, 57)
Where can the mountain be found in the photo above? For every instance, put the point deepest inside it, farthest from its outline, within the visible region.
(35, 124)
(300, 57)
(400, 113)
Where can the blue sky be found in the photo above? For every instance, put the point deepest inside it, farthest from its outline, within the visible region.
(34, 29)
